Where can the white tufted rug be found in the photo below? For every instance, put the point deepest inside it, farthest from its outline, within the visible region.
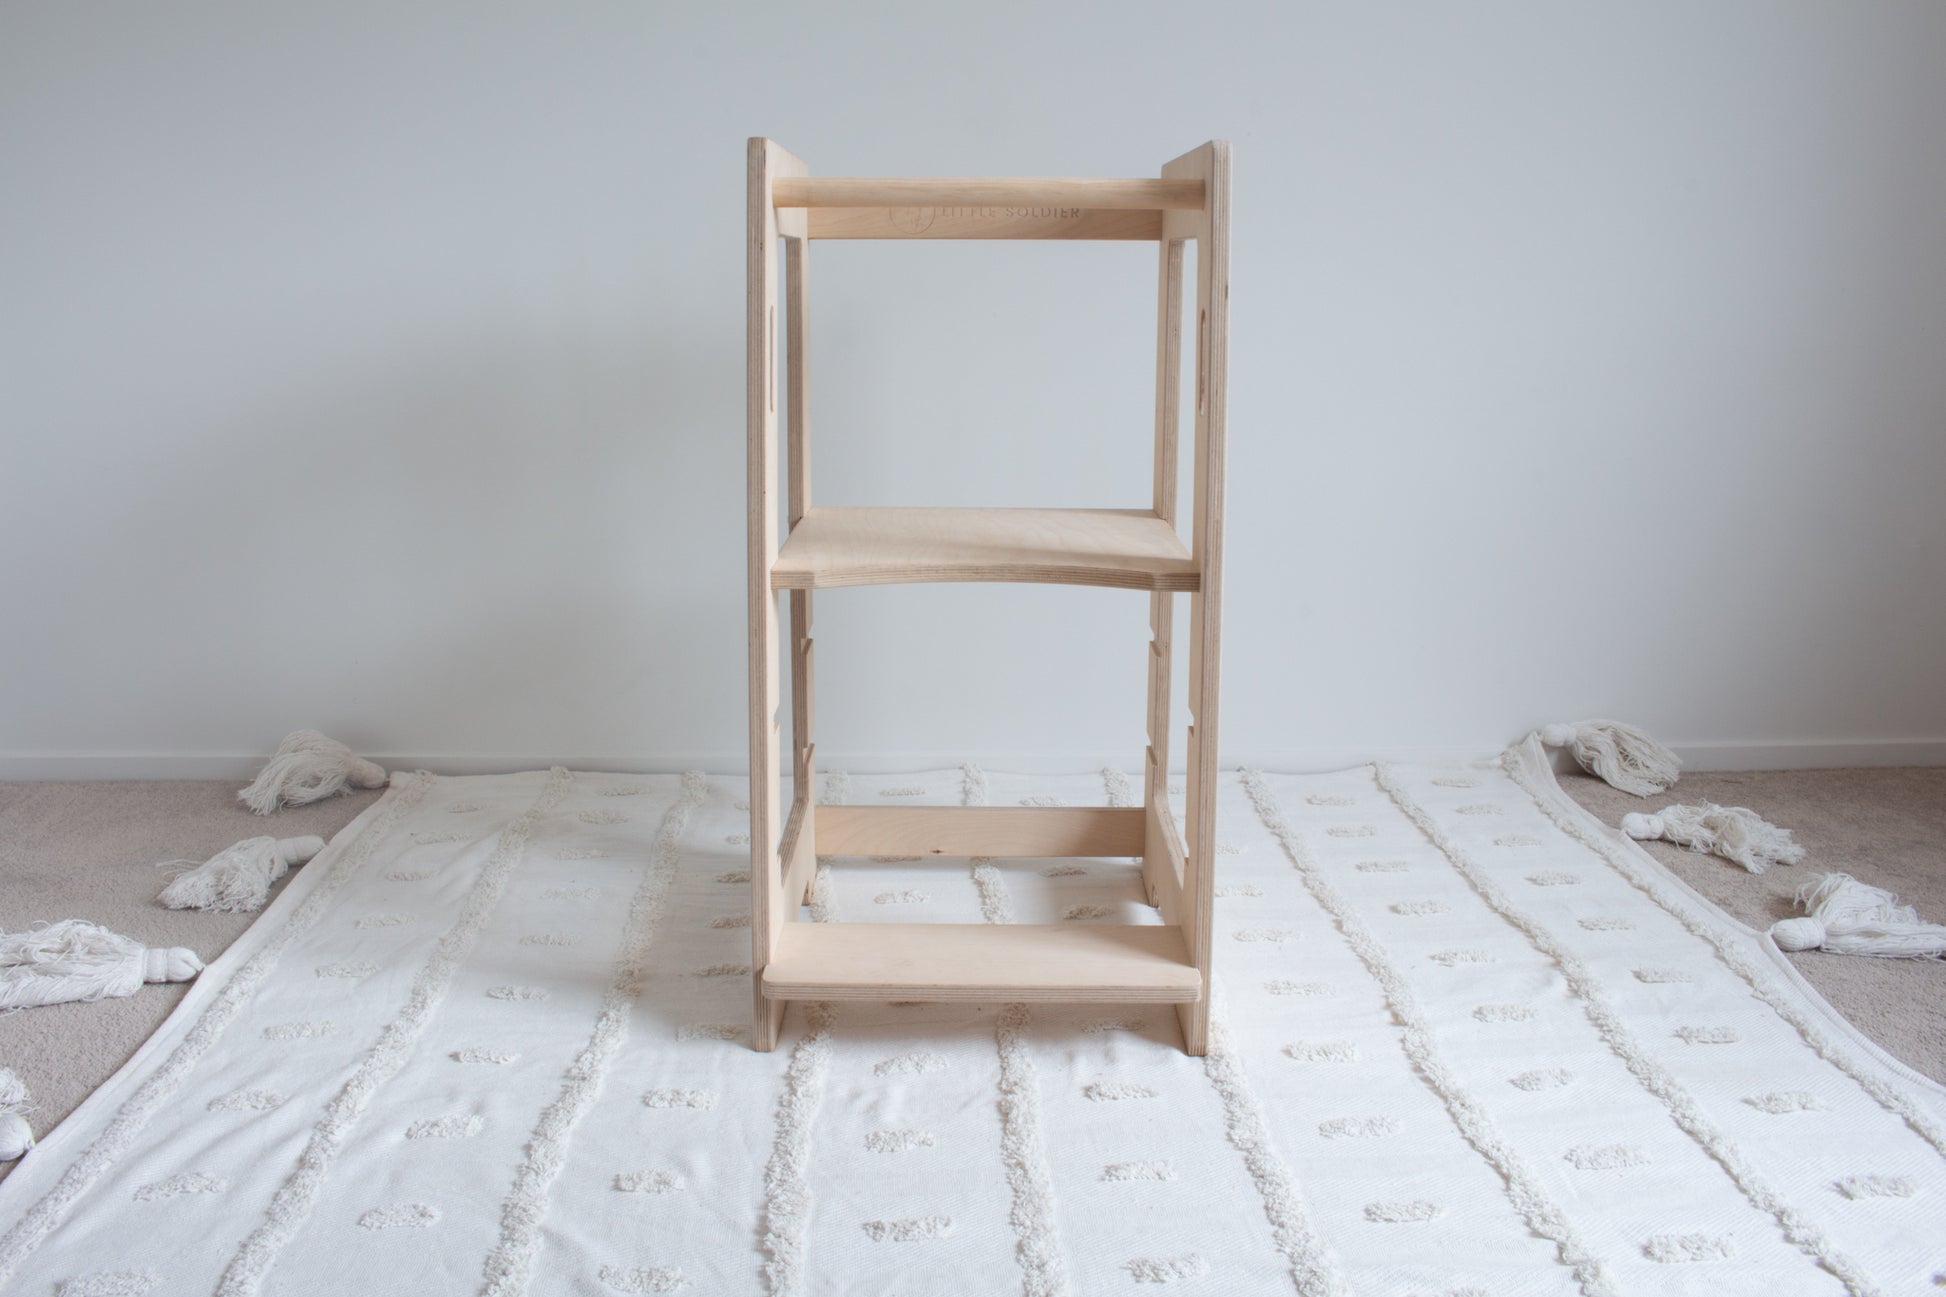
(1472, 1043)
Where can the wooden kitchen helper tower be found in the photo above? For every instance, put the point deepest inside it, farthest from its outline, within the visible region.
(1133, 549)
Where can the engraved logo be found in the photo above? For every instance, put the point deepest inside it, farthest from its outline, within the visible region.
(917, 220)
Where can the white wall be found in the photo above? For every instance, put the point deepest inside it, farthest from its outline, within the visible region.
(379, 367)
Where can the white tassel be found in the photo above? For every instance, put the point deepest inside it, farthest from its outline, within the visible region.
(78, 960)
(1848, 917)
(1621, 754)
(1733, 832)
(238, 878)
(16, 1136)
(308, 767)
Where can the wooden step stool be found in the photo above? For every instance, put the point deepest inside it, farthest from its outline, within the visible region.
(1134, 549)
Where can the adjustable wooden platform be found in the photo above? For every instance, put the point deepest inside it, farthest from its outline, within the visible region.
(1133, 549)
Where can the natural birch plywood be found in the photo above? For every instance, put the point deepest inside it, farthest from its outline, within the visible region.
(1167, 194)
(1131, 549)
(1065, 963)
(797, 499)
(998, 832)
(1162, 861)
(768, 912)
(797, 853)
(1209, 164)
(983, 223)
(1166, 469)
(1135, 549)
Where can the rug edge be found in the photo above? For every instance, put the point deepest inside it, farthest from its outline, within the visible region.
(1534, 761)
(28, 1182)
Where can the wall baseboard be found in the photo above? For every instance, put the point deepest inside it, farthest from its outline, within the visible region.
(21, 766)
(242, 767)
(1812, 756)
(1695, 756)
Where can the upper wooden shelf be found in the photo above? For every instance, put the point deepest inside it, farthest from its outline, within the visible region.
(1131, 549)
(985, 207)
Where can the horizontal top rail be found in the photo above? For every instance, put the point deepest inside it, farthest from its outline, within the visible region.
(904, 191)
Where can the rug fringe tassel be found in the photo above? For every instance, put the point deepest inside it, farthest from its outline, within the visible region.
(1847, 917)
(1621, 754)
(1734, 832)
(237, 879)
(77, 960)
(308, 767)
(16, 1136)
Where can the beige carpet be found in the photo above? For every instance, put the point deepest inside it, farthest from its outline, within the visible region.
(1885, 827)
(87, 851)
(84, 850)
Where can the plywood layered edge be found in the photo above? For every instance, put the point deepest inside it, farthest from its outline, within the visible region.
(766, 161)
(984, 962)
(1136, 194)
(983, 223)
(995, 831)
(1130, 549)
(1209, 164)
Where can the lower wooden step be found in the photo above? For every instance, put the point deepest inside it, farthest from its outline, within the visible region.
(995, 831)
(1053, 963)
